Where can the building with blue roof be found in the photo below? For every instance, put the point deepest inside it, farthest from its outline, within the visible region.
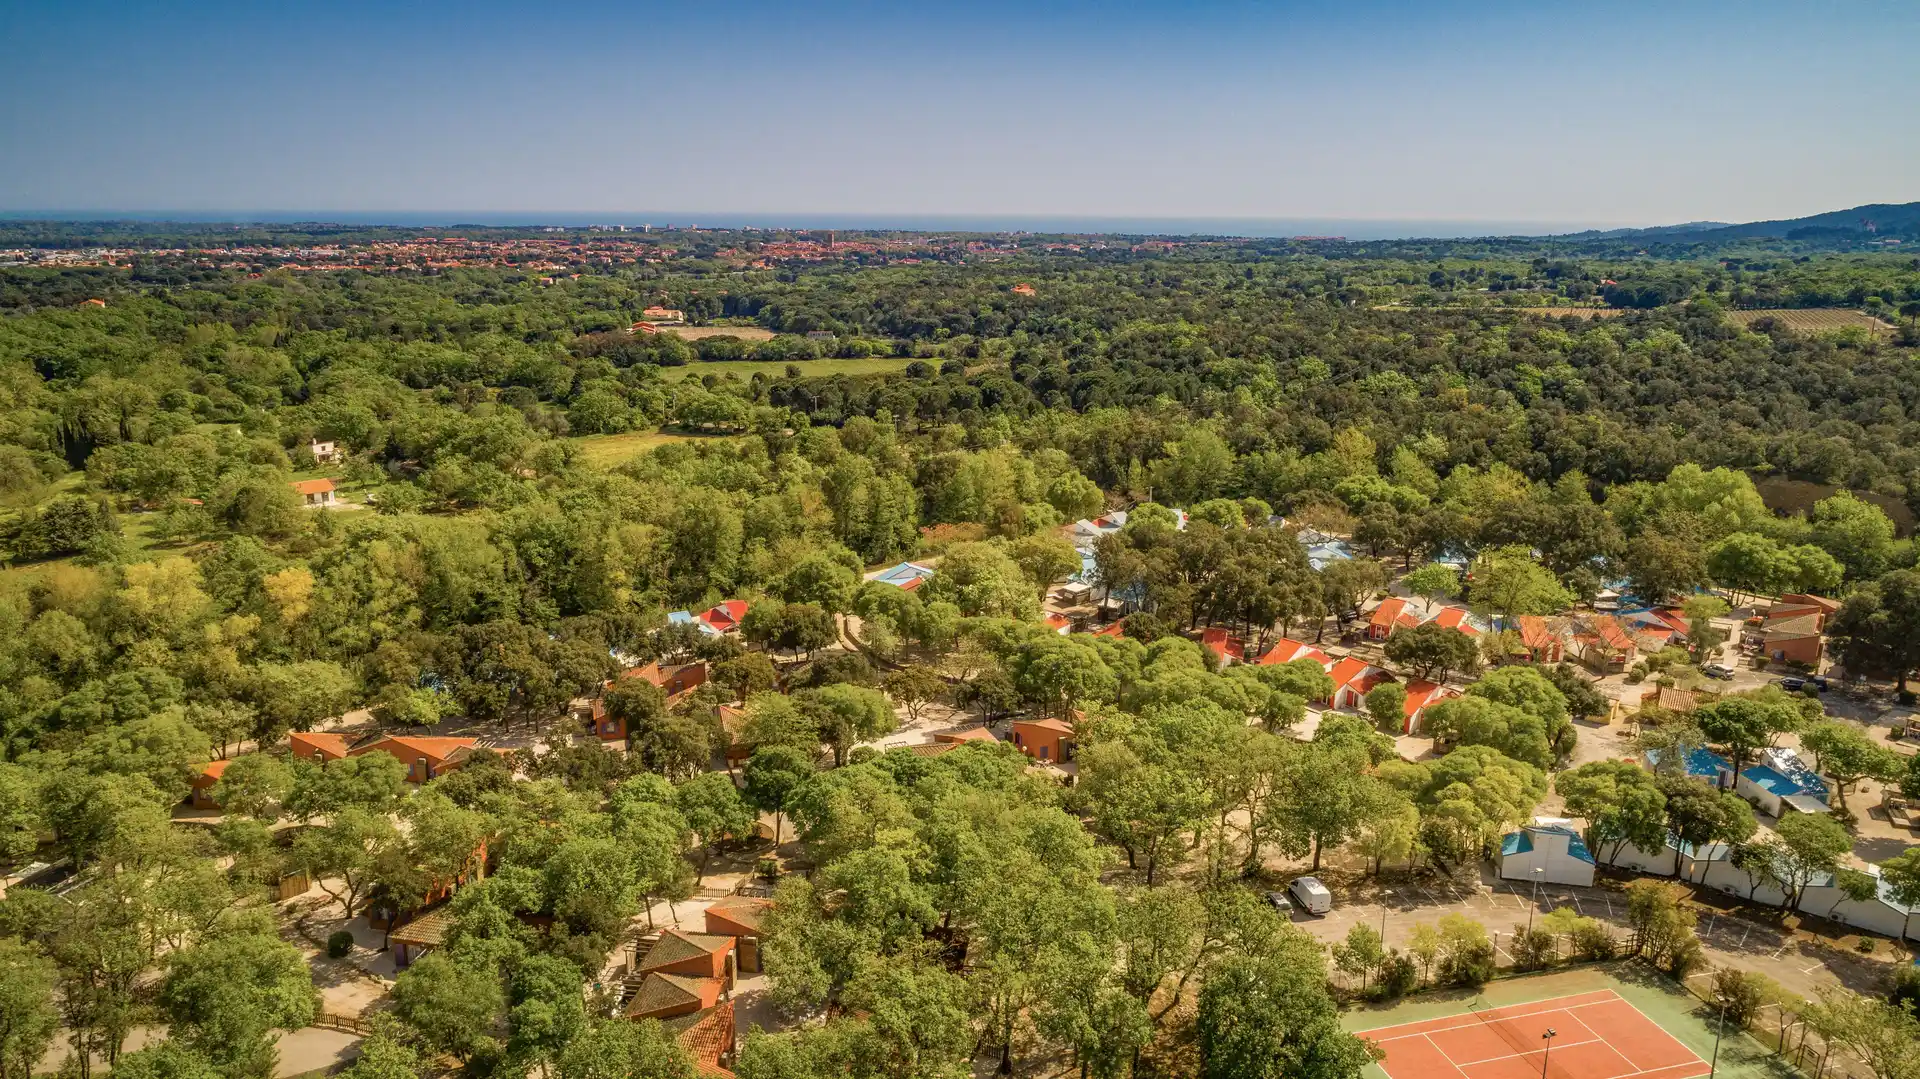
(1701, 763)
(1548, 851)
(1781, 782)
(907, 575)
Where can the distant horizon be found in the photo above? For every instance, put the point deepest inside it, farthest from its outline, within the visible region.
(1378, 118)
(1279, 227)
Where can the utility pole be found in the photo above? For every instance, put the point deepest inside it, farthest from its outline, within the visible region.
(1537, 871)
(1718, 1026)
(1548, 1052)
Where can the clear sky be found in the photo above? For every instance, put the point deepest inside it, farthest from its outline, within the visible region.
(1595, 113)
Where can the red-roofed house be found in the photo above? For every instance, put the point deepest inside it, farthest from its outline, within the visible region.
(1057, 622)
(314, 492)
(1116, 628)
(692, 955)
(1459, 618)
(708, 1037)
(424, 757)
(1421, 694)
(1544, 642)
(674, 678)
(1603, 644)
(319, 746)
(1225, 647)
(1353, 679)
(1286, 650)
(202, 796)
(1790, 631)
(725, 617)
(666, 996)
(1047, 739)
(1392, 614)
(743, 918)
(970, 734)
(1021, 289)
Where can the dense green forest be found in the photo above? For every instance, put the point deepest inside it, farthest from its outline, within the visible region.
(169, 600)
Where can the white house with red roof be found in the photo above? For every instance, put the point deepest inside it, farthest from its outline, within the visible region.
(725, 617)
(1461, 619)
(1286, 650)
(1394, 613)
(1353, 679)
(1421, 695)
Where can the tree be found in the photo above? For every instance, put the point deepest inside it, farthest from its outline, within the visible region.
(1876, 631)
(1434, 651)
(383, 1055)
(1697, 814)
(1845, 752)
(846, 715)
(254, 785)
(1812, 846)
(1902, 874)
(1663, 925)
(169, 1059)
(1344, 585)
(623, 1049)
(371, 782)
(1660, 566)
(450, 1007)
(350, 849)
(1360, 954)
(1621, 803)
(28, 1019)
(227, 994)
(1269, 1017)
(1044, 558)
(1856, 532)
(1583, 700)
(712, 808)
(1508, 582)
(1141, 805)
(921, 1016)
(913, 687)
(1704, 636)
(1478, 721)
(1743, 724)
(771, 776)
(1466, 955)
(1387, 706)
(1323, 796)
(1434, 582)
(1389, 832)
(545, 1010)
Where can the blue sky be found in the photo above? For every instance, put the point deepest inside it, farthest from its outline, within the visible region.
(1615, 113)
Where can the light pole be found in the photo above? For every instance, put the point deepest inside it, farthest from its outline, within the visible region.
(1537, 871)
(1718, 1026)
(1548, 1052)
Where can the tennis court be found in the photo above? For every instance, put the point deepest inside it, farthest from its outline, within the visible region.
(1596, 1035)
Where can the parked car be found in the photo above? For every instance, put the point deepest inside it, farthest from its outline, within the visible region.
(1310, 895)
(1717, 670)
(1280, 902)
(1793, 685)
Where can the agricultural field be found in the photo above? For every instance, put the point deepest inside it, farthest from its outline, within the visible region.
(1813, 319)
(695, 333)
(746, 369)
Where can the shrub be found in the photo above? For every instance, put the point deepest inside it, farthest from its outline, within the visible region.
(1398, 976)
(1532, 948)
(1591, 940)
(1740, 994)
(339, 945)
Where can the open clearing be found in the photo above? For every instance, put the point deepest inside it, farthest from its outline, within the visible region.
(746, 369)
(1813, 319)
(695, 333)
(606, 451)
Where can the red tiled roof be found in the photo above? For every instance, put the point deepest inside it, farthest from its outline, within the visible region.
(434, 749)
(1610, 633)
(725, 616)
(311, 487)
(1046, 723)
(1217, 641)
(1286, 650)
(1348, 669)
(332, 744)
(971, 734)
(1117, 629)
(1388, 614)
(1534, 632)
(1421, 693)
(676, 946)
(1457, 618)
(707, 1037)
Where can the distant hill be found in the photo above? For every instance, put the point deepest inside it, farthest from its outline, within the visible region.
(1845, 228)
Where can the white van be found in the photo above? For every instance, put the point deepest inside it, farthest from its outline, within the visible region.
(1311, 895)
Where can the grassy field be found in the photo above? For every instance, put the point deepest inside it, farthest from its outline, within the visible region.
(1673, 1009)
(746, 369)
(695, 333)
(1813, 319)
(607, 451)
